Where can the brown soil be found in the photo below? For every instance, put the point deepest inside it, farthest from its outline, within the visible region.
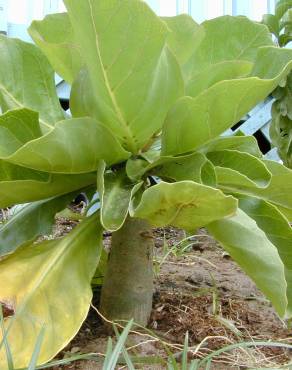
(202, 292)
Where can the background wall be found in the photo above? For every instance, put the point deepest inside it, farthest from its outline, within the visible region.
(16, 15)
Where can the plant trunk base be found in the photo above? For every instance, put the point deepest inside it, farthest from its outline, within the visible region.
(128, 284)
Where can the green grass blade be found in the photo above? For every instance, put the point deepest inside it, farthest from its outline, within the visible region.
(5, 342)
(34, 358)
(118, 347)
(125, 353)
(194, 365)
(108, 354)
(185, 352)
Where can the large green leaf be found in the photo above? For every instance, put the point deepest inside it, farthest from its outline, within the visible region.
(48, 285)
(21, 185)
(278, 231)
(258, 257)
(73, 146)
(115, 191)
(27, 80)
(185, 36)
(227, 39)
(226, 70)
(55, 37)
(132, 78)
(192, 122)
(31, 221)
(246, 165)
(184, 204)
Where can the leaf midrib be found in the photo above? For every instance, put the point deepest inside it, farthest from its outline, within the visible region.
(118, 111)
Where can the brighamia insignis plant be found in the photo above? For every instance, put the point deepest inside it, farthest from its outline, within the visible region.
(150, 98)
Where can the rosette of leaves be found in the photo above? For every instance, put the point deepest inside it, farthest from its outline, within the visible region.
(150, 99)
(280, 26)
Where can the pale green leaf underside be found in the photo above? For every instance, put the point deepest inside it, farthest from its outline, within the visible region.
(55, 37)
(256, 255)
(184, 204)
(194, 167)
(277, 192)
(245, 144)
(278, 231)
(38, 279)
(73, 146)
(27, 80)
(248, 166)
(31, 221)
(132, 78)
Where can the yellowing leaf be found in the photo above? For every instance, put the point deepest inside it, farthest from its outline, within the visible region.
(48, 285)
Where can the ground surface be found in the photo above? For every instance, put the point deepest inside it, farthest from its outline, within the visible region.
(202, 291)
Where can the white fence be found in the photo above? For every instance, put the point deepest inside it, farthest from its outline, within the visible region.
(16, 15)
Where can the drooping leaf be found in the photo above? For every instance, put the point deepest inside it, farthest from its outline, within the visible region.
(21, 185)
(188, 167)
(248, 166)
(277, 192)
(248, 245)
(27, 80)
(184, 204)
(278, 231)
(245, 144)
(48, 285)
(55, 37)
(73, 146)
(126, 84)
(193, 122)
(115, 192)
(31, 221)
(185, 36)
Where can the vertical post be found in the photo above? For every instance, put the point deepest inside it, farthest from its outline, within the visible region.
(228, 7)
(3, 16)
(182, 6)
(51, 6)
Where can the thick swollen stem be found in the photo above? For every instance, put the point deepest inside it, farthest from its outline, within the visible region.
(128, 284)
